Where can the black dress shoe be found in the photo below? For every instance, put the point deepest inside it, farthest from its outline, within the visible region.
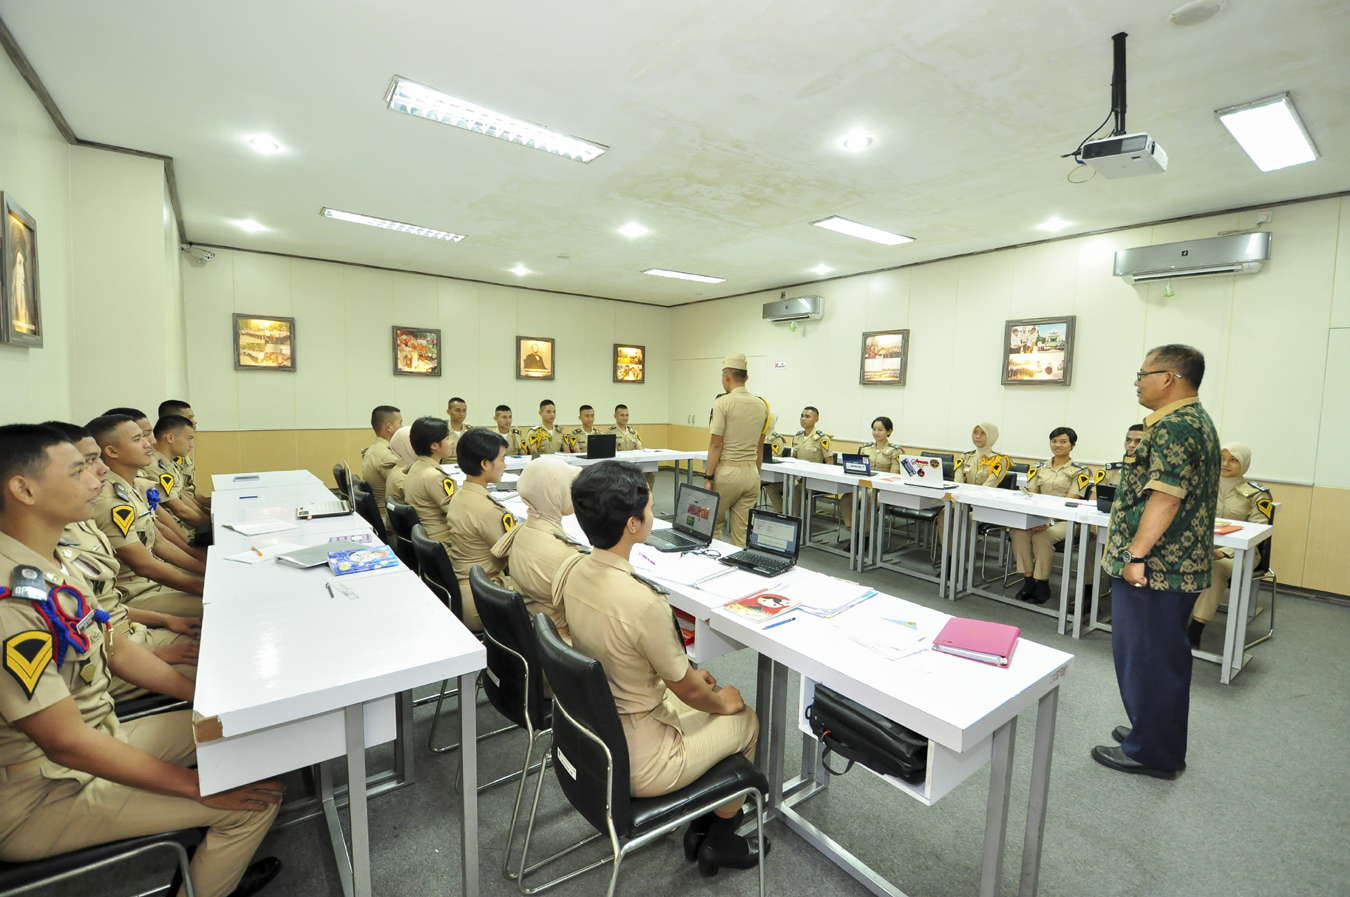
(729, 852)
(1028, 589)
(1113, 757)
(694, 835)
(1120, 733)
(1041, 592)
(257, 876)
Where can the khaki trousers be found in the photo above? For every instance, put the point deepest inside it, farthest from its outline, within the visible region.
(121, 689)
(61, 820)
(704, 740)
(1207, 604)
(739, 488)
(164, 600)
(1036, 553)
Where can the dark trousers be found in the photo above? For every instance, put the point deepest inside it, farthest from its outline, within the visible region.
(1153, 669)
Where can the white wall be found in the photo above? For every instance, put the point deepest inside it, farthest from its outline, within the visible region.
(344, 351)
(1265, 340)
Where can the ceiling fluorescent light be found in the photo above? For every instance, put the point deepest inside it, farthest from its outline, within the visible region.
(1054, 224)
(862, 231)
(1270, 131)
(355, 218)
(856, 141)
(634, 230)
(520, 270)
(250, 225)
(822, 269)
(681, 275)
(264, 144)
(417, 99)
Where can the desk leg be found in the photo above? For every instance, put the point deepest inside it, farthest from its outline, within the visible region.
(404, 748)
(468, 760)
(1066, 577)
(335, 834)
(1097, 581)
(996, 817)
(972, 537)
(356, 800)
(1040, 793)
(1079, 588)
(1235, 628)
(944, 587)
(777, 734)
(763, 701)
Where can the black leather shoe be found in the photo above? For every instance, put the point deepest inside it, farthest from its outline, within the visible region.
(1040, 592)
(1120, 733)
(694, 835)
(1113, 757)
(1028, 589)
(731, 852)
(257, 876)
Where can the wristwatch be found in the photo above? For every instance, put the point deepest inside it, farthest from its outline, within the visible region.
(1131, 559)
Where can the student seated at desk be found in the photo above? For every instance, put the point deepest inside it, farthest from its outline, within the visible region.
(511, 435)
(401, 445)
(187, 465)
(474, 519)
(677, 722)
(775, 441)
(147, 483)
(174, 438)
(546, 438)
(1239, 499)
(73, 775)
(536, 548)
(984, 466)
(1111, 473)
(1035, 548)
(378, 459)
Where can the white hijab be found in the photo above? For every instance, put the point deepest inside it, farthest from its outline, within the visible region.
(990, 438)
(546, 488)
(1243, 454)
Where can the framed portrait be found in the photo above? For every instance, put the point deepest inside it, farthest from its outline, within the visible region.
(630, 364)
(262, 343)
(885, 357)
(534, 358)
(1039, 351)
(417, 351)
(20, 301)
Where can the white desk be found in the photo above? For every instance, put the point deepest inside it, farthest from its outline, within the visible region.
(252, 482)
(812, 476)
(290, 676)
(888, 492)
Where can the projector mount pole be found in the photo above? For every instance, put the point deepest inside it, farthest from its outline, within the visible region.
(1118, 83)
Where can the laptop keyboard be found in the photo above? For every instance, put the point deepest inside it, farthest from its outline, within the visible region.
(771, 562)
(672, 537)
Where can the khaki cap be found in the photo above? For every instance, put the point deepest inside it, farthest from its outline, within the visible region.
(735, 362)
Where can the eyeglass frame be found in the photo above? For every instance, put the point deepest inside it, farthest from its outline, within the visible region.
(1141, 374)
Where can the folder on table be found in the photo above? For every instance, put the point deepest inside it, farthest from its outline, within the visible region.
(980, 640)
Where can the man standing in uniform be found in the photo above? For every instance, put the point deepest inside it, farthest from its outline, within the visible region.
(736, 448)
(1110, 473)
(458, 410)
(1158, 551)
(578, 438)
(510, 434)
(378, 459)
(546, 439)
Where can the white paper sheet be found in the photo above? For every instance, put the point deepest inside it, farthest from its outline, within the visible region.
(271, 551)
(260, 527)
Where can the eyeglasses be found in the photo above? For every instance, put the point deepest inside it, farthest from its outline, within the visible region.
(1140, 375)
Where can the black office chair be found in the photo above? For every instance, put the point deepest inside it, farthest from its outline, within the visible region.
(1016, 467)
(402, 518)
(18, 878)
(948, 462)
(1262, 574)
(590, 758)
(148, 705)
(515, 681)
(370, 512)
(342, 476)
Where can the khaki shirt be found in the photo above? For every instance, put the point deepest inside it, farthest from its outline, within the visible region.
(427, 489)
(740, 417)
(33, 682)
(1248, 500)
(777, 441)
(170, 478)
(1109, 475)
(578, 439)
(981, 470)
(474, 523)
(377, 461)
(393, 483)
(187, 469)
(85, 550)
(813, 446)
(537, 551)
(885, 459)
(626, 440)
(454, 437)
(545, 442)
(1073, 480)
(124, 516)
(513, 440)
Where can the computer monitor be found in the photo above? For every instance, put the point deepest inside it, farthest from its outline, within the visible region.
(601, 445)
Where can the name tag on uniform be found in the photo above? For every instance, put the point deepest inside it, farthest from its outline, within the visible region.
(86, 622)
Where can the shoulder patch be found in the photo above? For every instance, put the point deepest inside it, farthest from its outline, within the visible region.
(800, 433)
(1101, 475)
(996, 468)
(1114, 465)
(1256, 485)
(166, 480)
(958, 462)
(1266, 507)
(449, 486)
(26, 655)
(508, 521)
(658, 589)
(178, 459)
(1031, 474)
(825, 443)
(123, 516)
(1084, 479)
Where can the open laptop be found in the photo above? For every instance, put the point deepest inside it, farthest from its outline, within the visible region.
(927, 472)
(601, 445)
(858, 465)
(771, 458)
(695, 517)
(771, 544)
(335, 508)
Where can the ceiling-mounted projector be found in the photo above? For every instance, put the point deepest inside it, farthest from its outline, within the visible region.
(1125, 156)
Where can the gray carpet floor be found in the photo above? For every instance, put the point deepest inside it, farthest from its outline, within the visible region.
(1263, 808)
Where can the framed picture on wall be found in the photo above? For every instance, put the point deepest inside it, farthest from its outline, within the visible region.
(885, 357)
(534, 358)
(263, 343)
(1038, 351)
(417, 351)
(20, 302)
(630, 364)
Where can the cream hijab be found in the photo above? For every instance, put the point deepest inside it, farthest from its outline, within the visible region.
(401, 445)
(1243, 454)
(991, 438)
(546, 488)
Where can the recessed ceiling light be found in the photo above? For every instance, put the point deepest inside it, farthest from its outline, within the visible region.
(862, 231)
(1053, 224)
(520, 270)
(856, 141)
(420, 100)
(822, 269)
(1197, 11)
(264, 144)
(250, 225)
(357, 218)
(681, 275)
(1270, 131)
(634, 230)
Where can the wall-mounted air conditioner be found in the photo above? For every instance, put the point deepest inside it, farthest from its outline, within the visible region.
(803, 308)
(1233, 254)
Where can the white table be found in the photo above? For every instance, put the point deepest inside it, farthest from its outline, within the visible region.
(290, 676)
(812, 476)
(252, 482)
(887, 490)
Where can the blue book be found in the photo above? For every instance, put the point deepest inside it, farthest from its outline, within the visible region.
(359, 560)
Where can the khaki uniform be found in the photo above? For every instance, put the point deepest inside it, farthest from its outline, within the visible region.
(169, 479)
(578, 439)
(455, 437)
(545, 442)
(625, 624)
(885, 459)
(776, 441)
(393, 483)
(537, 552)
(187, 470)
(86, 550)
(626, 440)
(377, 460)
(1036, 553)
(740, 418)
(513, 440)
(981, 468)
(813, 446)
(124, 516)
(474, 521)
(1250, 501)
(47, 809)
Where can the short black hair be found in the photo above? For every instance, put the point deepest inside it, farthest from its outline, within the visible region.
(1135, 428)
(103, 426)
(454, 399)
(737, 374)
(382, 415)
(500, 409)
(477, 446)
(813, 409)
(173, 406)
(584, 408)
(132, 413)
(426, 432)
(1184, 361)
(170, 423)
(545, 403)
(1065, 431)
(885, 422)
(73, 432)
(617, 407)
(605, 497)
(23, 451)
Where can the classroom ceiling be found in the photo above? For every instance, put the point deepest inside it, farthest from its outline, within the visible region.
(722, 119)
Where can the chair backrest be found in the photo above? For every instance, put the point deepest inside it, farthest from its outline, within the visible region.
(515, 680)
(590, 754)
(948, 462)
(1017, 467)
(437, 571)
(402, 518)
(341, 474)
(1262, 563)
(1009, 481)
(370, 512)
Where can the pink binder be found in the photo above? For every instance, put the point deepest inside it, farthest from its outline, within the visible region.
(980, 640)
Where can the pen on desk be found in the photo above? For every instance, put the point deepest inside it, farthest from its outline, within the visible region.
(242, 497)
(329, 587)
(255, 550)
(780, 623)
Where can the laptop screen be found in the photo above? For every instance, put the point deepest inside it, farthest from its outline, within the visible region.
(695, 511)
(859, 465)
(776, 533)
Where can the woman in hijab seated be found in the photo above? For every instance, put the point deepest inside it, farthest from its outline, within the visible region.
(400, 444)
(984, 466)
(536, 549)
(1239, 499)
